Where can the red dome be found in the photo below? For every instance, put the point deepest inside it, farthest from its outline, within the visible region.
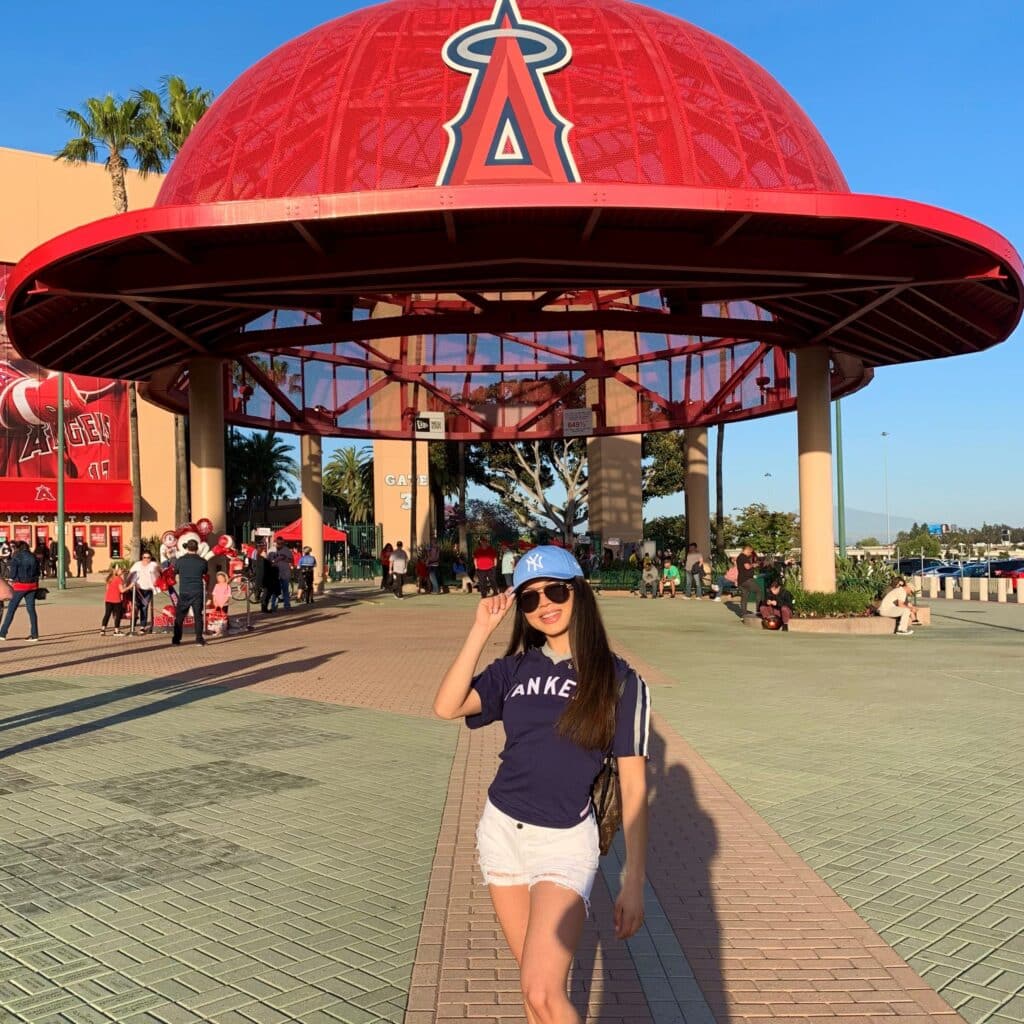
(360, 104)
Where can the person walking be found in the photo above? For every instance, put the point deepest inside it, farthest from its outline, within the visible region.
(566, 701)
(485, 560)
(191, 570)
(434, 567)
(399, 567)
(307, 567)
(508, 564)
(282, 560)
(24, 582)
(113, 599)
(265, 578)
(746, 568)
(144, 574)
(385, 567)
(694, 567)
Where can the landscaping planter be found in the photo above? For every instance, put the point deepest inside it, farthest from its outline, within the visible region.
(860, 625)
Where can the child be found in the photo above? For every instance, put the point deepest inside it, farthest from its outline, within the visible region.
(565, 701)
(222, 597)
(114, 600)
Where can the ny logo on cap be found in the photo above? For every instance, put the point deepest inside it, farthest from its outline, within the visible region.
(534, 562)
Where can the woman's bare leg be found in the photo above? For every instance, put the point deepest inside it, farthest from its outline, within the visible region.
(555, 924)
(512, 906)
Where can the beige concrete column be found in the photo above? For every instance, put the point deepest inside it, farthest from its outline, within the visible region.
(698, 500)
(965, 589)
(206, 428)
(814, 438)
(311, 471)
(948, 584)
(933, 587)
(392, 491)
(1001, 590)
(615, 487)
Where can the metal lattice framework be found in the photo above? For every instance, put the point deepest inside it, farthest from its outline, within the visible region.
(301, 238)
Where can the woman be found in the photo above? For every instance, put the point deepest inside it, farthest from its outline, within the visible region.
(385, 567)
(565, 701)
(24, 582)
(113, 599)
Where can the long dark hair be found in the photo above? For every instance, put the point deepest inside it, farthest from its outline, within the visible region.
(589, 718)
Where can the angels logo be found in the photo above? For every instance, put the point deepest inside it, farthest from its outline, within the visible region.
(508, 129)
(43, 493)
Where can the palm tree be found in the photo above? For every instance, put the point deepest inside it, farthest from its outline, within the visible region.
(122, 129)
(171, 114)
(272, 469)
(140, 129)
(348, 479)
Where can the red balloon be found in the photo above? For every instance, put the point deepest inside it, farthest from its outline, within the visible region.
(204, 527)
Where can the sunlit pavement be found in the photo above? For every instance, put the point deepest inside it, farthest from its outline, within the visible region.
(273, 828)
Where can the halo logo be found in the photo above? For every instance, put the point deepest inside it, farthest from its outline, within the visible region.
(508, 129)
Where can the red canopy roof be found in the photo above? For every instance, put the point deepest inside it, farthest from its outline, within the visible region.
(293, 531)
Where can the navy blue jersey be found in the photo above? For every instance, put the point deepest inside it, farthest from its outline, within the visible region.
(545, 779)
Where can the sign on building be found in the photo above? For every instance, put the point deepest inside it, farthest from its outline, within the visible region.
(430, 426)
(577, 422)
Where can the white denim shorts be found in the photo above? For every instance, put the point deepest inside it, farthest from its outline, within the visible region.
(513, 852)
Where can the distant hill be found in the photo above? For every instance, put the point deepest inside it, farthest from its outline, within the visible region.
(860, 524)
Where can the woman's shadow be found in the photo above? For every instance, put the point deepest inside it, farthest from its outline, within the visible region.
(652, 972)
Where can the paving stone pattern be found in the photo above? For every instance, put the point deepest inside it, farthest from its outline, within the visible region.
(231, 858)
(894, 768)
(273, 828)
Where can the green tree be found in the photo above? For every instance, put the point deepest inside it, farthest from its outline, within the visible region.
(771, 533)
(492, 519)
(917, 540)
(868, 542)
(667, 532)
(260, 468)
(664, 464)
(348, 480)
(523, 474)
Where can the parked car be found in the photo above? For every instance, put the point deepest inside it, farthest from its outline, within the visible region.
(968, 570)
(1009, 568)
(915, 566)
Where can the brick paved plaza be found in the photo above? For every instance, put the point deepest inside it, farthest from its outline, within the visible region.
(273, 828)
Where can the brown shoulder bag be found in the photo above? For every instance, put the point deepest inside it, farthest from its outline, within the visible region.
(607, 799)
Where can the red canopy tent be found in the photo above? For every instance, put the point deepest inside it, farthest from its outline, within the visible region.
(293, 531)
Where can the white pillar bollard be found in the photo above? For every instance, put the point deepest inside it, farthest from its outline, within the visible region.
(965, 588)
(983, 589)
(948, 583)
(1000, 590)
(933, 587)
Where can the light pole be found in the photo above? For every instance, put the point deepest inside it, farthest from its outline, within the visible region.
(885, 475)
(840, 482)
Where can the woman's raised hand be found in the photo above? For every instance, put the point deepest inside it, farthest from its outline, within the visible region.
(491, 610)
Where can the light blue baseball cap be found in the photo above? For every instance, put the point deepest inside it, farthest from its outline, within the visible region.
(546, 562)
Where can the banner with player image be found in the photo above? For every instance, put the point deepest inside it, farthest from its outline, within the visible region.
(97, 460)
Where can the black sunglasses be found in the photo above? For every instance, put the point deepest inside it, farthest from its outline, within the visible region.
(556, 593)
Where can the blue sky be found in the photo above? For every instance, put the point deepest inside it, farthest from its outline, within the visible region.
(917, 99)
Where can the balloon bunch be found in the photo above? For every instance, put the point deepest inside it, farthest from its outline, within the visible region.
(172, 543)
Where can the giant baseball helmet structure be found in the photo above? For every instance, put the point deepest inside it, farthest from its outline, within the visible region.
(504, 211)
